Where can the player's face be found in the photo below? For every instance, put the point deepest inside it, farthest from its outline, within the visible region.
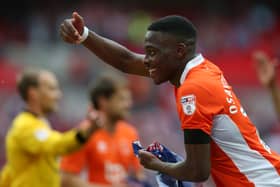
(49, 92)
(119, 104)
(160, 56)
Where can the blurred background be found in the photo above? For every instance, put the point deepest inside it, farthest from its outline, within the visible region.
(229, 32)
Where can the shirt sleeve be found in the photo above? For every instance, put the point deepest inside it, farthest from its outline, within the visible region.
(5, 178)
(197, 107)
(43, 140)
(74, 162)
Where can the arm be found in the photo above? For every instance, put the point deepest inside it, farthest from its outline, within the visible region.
(109, 51)
(266, 68)
(195, 168)
(43, 140)
(116, 55)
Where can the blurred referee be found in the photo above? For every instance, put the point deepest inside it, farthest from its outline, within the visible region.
(32, 147)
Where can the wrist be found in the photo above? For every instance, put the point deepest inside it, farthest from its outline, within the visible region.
(161, 166)
(84, 134)
(84, 36)
(80, 136)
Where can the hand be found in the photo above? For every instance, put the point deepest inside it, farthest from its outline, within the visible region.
(154, 147)
(148, 160)
(86, 129)
(265, 68)
(72, 29)
(96, 117)
(93, 122)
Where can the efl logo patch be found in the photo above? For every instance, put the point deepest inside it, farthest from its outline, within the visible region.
(188, 104)
(41, 134)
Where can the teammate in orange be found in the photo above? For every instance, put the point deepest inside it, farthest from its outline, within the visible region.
(108, 155)
(219, 137)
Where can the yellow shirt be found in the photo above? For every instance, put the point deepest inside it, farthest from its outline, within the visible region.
(32, 150)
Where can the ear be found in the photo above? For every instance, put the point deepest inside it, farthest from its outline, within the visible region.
(32, 93)
(102, 102)
(181, 50)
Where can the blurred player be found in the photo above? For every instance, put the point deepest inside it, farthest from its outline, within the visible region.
(266, 71)
(32, 147)
(108, 155)
(219, 136)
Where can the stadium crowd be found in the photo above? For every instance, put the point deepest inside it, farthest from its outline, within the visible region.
(29, 38)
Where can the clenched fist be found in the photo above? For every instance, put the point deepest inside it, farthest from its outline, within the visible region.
(71, 30)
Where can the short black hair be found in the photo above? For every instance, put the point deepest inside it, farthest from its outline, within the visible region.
(175, 25)
(26, 80)
(105, 86)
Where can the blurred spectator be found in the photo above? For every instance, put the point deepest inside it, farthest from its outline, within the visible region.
(108, 156)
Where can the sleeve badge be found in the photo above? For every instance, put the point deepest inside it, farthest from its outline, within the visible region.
(188, 104)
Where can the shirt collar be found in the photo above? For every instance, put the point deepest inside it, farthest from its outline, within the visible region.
(191, 64)
(30, 112)
(37, 116)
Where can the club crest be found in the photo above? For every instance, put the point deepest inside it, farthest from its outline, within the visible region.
(188, 104)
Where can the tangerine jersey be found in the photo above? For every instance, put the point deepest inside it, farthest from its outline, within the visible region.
(205, 101)
(109, 158)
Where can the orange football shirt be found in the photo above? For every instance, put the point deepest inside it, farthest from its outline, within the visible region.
(205, 101)
(109, 158)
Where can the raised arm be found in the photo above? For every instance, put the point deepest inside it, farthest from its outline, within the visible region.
(112, 53)
(266, 71)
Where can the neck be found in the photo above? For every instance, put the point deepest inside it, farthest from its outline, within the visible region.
(35, 109)
(176, 79)
(110, 125)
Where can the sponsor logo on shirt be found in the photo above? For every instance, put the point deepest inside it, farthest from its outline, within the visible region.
(114, 172)
(101, 146)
